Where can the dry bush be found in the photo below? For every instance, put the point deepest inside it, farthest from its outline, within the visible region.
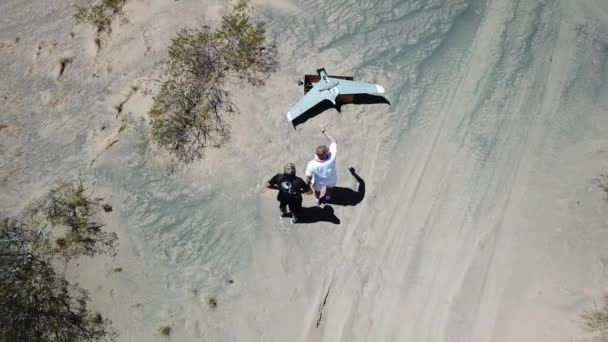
(68, 206)
(36, 303)
(602, 182)
(244, 48)
(101, 15)
(596, 320)
(188, 114)
(212, 302)
(165, 330)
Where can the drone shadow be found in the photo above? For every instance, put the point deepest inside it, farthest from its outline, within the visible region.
(358, 99)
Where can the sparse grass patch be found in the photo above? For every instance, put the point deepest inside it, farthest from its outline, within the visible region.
(596, 320)
(38, 303)
(100, 15)
(124, 122)
(602, 182)
(212, 302)
(165, 330)
(68, 206)
(188, 114)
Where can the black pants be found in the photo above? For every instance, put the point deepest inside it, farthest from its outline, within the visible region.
(294, 203)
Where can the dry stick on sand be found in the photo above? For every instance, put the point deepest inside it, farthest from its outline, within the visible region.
(104, 151)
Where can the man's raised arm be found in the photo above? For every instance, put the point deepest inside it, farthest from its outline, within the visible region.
(328, 136)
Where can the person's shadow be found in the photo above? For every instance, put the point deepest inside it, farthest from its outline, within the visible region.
(346, 196)
(340, 196)
(318, 214)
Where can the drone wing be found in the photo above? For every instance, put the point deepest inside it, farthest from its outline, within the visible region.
(328, 90)
(350, 87)
(311, 99)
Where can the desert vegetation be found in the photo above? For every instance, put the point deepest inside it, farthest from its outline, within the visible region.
(37, 303)
(71, 213)
(602, 183)
(165, 330)
(212, 302)
(596, 319)
(100, 15)
(188, 113)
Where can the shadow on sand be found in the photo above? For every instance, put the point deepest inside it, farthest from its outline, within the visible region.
(318, 214)
(341, 100)
(346, 196)
(341, 196)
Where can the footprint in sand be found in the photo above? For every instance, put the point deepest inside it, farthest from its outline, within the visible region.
(45, 49)
(64, 62)
(46, 57)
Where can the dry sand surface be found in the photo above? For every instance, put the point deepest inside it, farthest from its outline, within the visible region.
(480, 221)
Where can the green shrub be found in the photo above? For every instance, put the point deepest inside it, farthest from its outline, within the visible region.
(212, 302)
(165, 330)
(37, 303)
(602, 182)
(596, 320)
(68, 205)
(188, 113)
(100, 16)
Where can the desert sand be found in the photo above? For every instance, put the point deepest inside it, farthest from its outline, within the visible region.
(480, 222)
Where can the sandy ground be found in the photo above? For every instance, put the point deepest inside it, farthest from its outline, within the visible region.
(480, 221)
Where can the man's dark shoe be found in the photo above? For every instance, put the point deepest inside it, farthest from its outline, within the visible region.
(284, 213)
(321, 200)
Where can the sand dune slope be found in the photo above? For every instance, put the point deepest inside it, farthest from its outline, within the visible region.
(480, 220)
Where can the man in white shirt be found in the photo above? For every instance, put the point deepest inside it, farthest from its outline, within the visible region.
(321, 171)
